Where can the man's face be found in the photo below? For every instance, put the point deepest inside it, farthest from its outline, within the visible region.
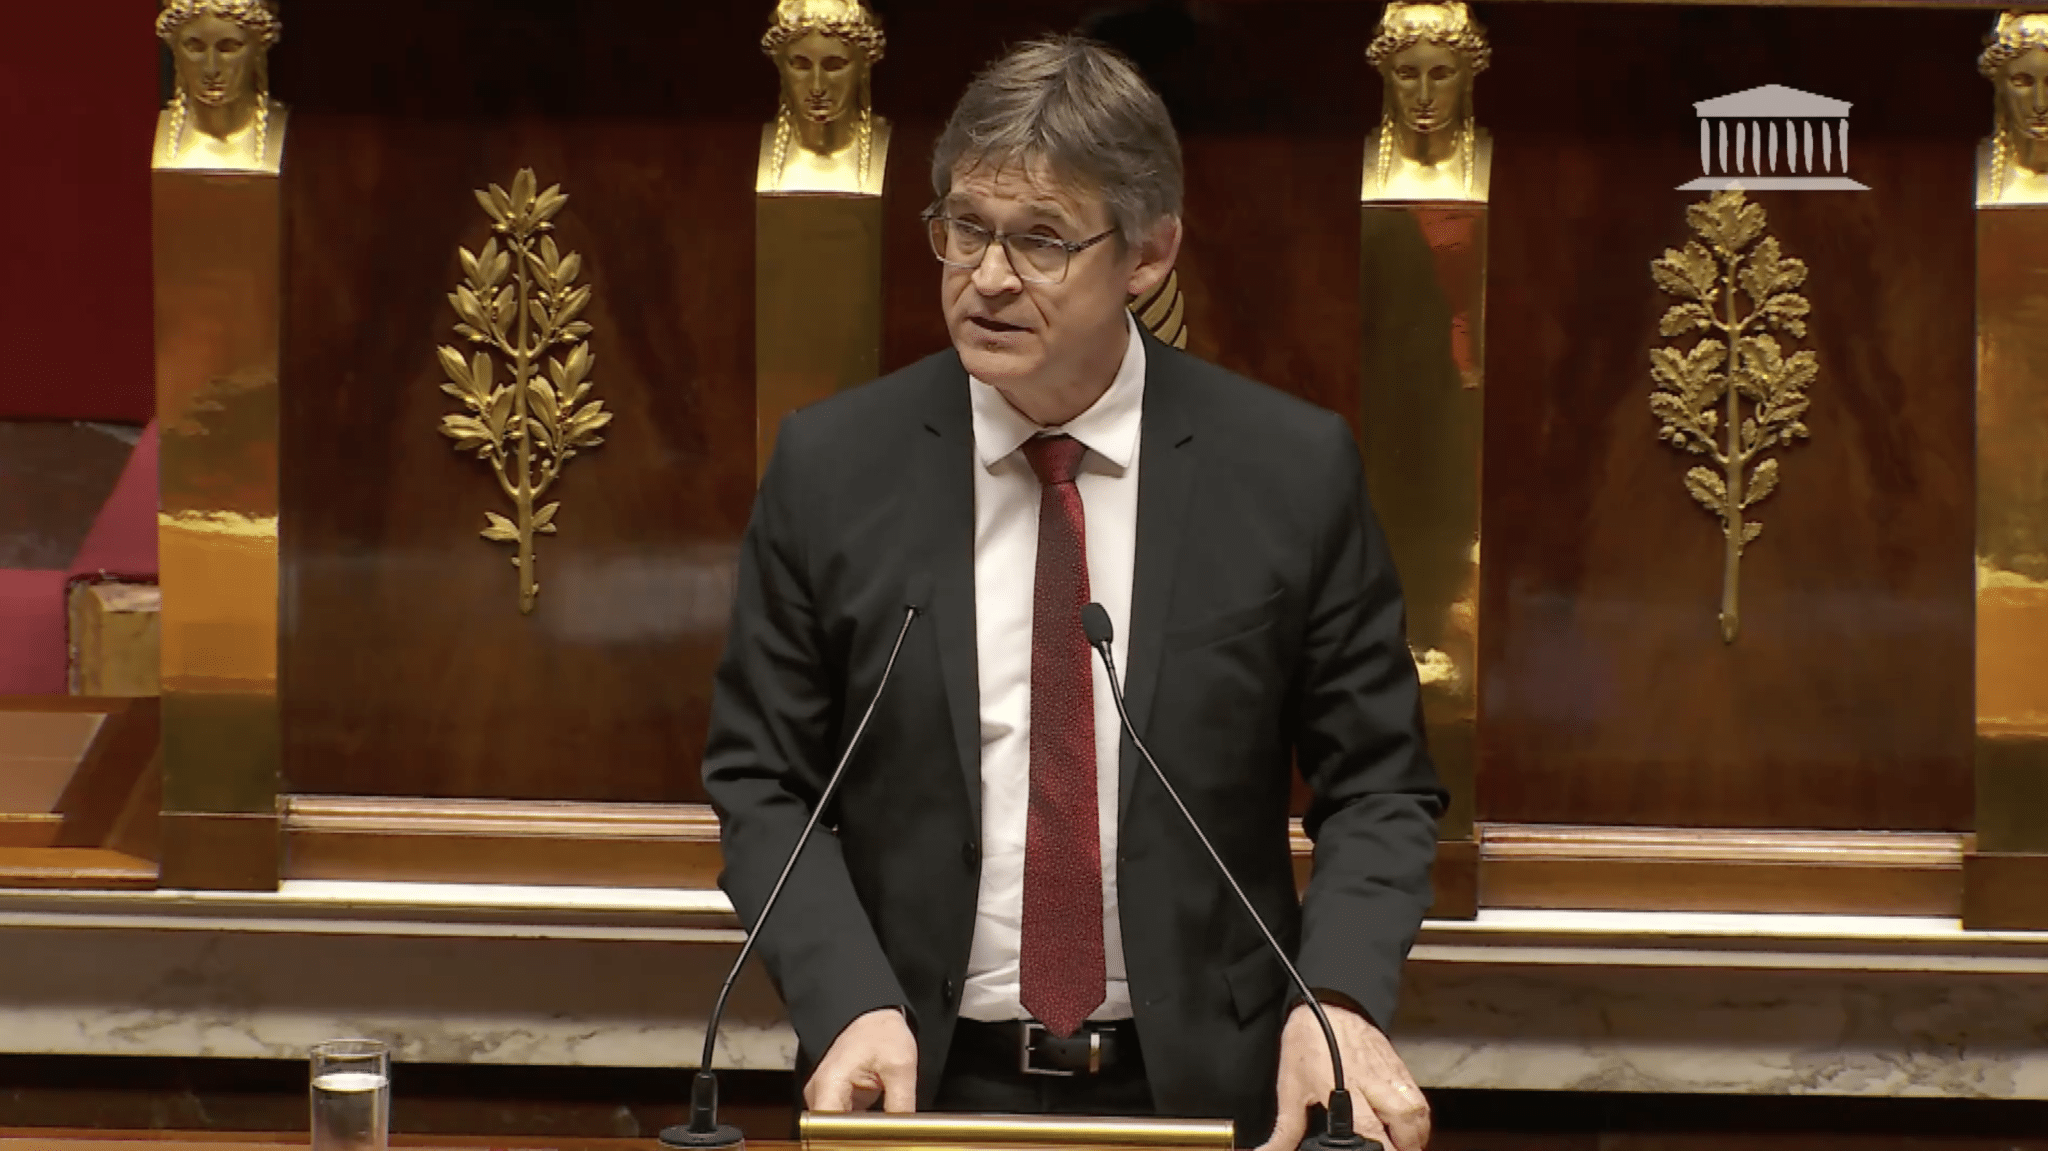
(2023, 88)
(1424, 80)
(213, 57)
(1029, 337)
(820, 76)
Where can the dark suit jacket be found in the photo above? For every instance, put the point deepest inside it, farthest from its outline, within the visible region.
(1265, 624)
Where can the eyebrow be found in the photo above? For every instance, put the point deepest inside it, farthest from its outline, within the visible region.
(1044, 208)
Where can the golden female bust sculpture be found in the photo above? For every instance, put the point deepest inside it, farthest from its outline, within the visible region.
(1427, 146)
(221, 117)
(826, 137)
(2012, 166)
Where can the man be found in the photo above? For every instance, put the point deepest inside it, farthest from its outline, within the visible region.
(1007, 914)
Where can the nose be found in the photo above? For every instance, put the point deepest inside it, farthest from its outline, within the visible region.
(994, 276)
(817, 81)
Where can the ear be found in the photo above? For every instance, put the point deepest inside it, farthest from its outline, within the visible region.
(1156, 253)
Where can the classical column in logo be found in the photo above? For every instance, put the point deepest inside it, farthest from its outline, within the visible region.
(1423, 309)
(2006, 881)
(818, 213)
(216, 234)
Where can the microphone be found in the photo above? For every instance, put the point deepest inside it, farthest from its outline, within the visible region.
(1339, 1134)
(704, 1130)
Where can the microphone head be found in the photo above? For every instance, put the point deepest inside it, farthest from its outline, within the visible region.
(917, 591)
(1095, 624)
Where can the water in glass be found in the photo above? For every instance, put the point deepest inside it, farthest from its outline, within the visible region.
(351, 1097)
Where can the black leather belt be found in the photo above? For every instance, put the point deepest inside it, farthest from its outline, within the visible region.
(1027, 1047)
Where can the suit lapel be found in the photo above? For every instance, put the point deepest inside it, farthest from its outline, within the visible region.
(1166, 473)
(945, 497)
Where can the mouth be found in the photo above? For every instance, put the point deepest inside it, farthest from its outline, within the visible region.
(995, 326)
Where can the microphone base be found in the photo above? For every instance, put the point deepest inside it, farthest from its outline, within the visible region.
(1324, 1141)
(725, 1135)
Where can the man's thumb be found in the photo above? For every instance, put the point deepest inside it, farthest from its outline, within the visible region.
(1288, 1129)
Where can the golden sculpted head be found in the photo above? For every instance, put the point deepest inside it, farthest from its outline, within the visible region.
(2015, 60)
(221, 115)
(1427, 55)
(824, 51)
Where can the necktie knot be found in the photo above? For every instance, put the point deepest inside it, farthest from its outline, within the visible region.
(1056, 459)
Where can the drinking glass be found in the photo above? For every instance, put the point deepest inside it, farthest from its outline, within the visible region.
(351, 1095)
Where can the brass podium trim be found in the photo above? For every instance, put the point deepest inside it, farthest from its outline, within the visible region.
(216, 240)
(817, 304)
(1422, 356)
(2008, 868)
(827, 1130)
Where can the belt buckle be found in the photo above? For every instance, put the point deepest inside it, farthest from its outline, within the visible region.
(1033, 1027)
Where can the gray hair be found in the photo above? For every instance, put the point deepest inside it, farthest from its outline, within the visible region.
(1082, 110)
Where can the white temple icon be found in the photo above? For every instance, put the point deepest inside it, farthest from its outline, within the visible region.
(1774, 137)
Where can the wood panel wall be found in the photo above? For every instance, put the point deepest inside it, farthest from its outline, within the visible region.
(407, 667)
(1608, 697)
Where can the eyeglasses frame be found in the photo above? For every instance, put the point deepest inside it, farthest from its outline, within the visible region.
(1073, 247)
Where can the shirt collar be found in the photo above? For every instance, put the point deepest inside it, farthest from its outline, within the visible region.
(1109, 427)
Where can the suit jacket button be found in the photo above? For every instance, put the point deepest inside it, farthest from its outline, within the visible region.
(970, 853)
(946, 992)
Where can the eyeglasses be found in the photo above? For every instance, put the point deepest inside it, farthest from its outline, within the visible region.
(1035, 258)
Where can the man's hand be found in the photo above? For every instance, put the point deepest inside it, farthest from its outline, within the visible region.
(1387, 1104)
(875, 1056)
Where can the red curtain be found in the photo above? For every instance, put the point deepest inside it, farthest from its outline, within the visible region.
(77, 115)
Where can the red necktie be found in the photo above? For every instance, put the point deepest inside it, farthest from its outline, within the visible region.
(1061, 968)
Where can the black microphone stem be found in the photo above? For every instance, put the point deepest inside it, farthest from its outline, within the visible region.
(703, 1129)
(824, 797)
(1340, 1124)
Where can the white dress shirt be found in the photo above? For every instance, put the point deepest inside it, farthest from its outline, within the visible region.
(1006, 501)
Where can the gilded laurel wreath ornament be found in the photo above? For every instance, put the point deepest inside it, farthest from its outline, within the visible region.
(1735, 394)
(521, 301)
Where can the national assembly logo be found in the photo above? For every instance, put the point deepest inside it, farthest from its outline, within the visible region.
(1774, 138)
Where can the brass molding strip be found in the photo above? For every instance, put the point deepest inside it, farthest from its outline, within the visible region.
(1507, 841)
(821, 1130)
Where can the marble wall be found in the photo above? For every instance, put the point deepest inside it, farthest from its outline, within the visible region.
(1755, 1005)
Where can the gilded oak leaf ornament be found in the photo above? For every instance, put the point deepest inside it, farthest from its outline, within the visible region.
(1735, 393)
